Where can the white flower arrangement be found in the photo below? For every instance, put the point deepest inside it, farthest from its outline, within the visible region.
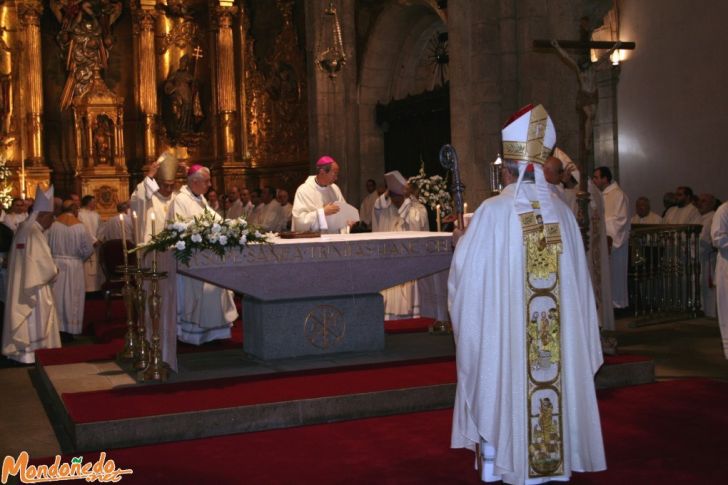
(206, 231)
(432, 191)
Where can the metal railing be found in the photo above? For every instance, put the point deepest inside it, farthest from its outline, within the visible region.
(664, 272)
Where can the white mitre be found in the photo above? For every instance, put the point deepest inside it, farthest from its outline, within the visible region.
(529, 137)
(43, 200)
(396, 183)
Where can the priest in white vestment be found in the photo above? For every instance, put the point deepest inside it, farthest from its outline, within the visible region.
(282, 198)
(707, 255)
(70, 245)
(112, 227)
(616, 218)
(16, 214)
(597, 254)
(719, 235)
(397, 210)
(684, 212)
(643, 214)
(235, 207)
(272, 217)
(366, 210)
(317, 198)
(205, 312)
(151, 200)
(525, 325)
(31, 321)
(91, 220)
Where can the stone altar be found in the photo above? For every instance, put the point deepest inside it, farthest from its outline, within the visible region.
(319, 296)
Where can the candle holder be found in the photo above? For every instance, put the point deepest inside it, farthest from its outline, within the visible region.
(157, 370)
(141, 359)
(130, 340)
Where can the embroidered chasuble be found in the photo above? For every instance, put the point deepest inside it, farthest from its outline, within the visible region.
(527, 336)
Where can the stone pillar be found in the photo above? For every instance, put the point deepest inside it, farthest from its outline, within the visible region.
(223, 15)
(29, 15)
(144, 21)
(333, 113)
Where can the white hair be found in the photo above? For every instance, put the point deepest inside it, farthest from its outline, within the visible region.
(197, 176)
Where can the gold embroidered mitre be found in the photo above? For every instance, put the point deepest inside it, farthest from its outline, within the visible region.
(529, 135)
(167, 170)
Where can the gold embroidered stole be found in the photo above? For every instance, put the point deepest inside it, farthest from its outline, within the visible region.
(543, 346)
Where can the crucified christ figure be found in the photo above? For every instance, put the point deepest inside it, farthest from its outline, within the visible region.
(588, 95)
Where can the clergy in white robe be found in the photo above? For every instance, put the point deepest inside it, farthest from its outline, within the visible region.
(719, 235)
(527, 334)
(30, 320)
(70, 245)
(235, 206)
(684, 212)
(707, 255)
(617, 220)
(272, 217)
(598, 251)
(316, 198)
(112, 227)
(643, 214)
(153, 196)
(396, 211)
(91, 220)
(205, 312)
(16, 214)
(282, 198)
(366, 209)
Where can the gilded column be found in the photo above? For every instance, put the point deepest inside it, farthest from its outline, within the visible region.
(29, 14)
(145, 18)
(225, 77)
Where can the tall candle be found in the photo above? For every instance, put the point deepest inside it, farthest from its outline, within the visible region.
(465, 208)
(439, 222)
(123, 239)
(138, 239)
(154, 233)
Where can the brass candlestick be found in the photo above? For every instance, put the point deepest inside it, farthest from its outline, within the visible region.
(141, 360)
(157, 370)
(130, 341)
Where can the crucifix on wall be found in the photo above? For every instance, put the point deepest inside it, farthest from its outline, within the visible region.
(588, 95)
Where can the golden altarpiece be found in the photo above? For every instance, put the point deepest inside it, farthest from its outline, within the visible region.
(92, 91)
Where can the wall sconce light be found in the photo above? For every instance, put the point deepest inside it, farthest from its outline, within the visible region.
(331, 57)
(616, 57)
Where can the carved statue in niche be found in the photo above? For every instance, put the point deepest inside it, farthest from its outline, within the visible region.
(85, 39)
(102, 140)
(183, 109)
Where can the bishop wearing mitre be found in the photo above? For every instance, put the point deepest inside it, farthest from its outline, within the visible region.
(31, 321)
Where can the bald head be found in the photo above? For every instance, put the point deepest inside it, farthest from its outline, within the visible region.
(552, 170)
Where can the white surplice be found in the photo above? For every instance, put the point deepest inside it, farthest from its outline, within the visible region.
(719, 235)
(366, 210)
(94, 275)
(31, 321)
(707, 268)
(486, 292)
(650, 218)
(617, 221)
(401, 301)
(682, 215)
(205, 312)
(308, 205)
(13, 220)
(111, 229)
(147, 200)
(272, 217)
(70, 245)
(236, 210)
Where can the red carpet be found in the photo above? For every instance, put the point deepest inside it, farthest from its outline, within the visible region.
(84, 407)
(664, 433)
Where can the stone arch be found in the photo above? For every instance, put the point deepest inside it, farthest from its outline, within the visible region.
(393, 65)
